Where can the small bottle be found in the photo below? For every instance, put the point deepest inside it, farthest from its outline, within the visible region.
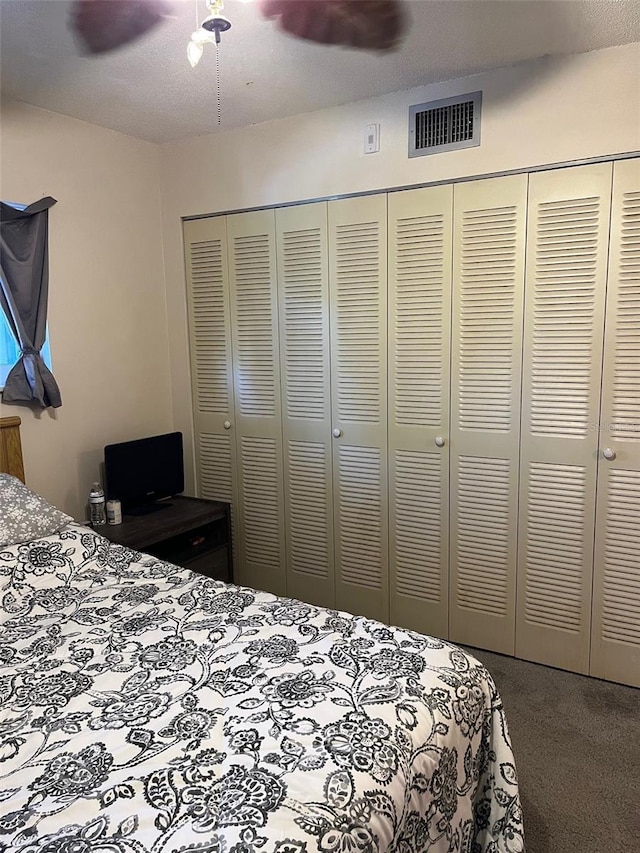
(96, 505)
(114, 511)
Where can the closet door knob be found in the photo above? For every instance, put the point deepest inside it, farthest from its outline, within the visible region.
(608, 453)
(227, 424)
(439, 441)
(336, 432)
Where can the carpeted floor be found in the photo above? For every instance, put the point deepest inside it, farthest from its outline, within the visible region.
(577, 746)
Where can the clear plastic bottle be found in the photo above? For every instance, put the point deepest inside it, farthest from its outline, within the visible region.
(97, 509)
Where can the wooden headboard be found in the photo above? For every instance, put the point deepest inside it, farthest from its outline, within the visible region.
(11, 448)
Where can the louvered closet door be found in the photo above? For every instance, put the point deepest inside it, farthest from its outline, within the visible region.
(252, 267)
(205, 242)
(615, 640)
(303, 296)
(489, 244)
(358, 287)
(420, 236)
(568, 229)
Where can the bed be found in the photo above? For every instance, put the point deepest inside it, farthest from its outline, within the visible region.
(146, 709)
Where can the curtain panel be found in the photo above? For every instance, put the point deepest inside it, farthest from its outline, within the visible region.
(24, 289)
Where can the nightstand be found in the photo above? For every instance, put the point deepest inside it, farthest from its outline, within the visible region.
(190, 532)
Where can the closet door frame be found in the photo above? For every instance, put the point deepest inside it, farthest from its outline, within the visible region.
(211, 359)
(488, 285)
(615, 634)
(567, 246)
(419, 295)
(303, 299)
(254, 319)
(358, 297)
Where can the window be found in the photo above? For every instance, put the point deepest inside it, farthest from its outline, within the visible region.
(9, 349)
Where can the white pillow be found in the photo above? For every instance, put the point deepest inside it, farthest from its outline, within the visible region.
(24, 515)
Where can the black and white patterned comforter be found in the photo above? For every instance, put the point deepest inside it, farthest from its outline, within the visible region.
(146, 709)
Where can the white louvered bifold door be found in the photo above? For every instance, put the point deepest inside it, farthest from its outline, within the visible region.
(252, 267)
(568, 231)
(615, 643)
(205, 243)
(420, 235)
(358, 285)
(489, 246)
(303, 296)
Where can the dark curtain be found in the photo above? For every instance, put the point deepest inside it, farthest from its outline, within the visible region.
(24, 288)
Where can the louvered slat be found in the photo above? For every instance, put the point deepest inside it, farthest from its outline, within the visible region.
(418, 554)
(566, 275)
(488, 279)
(567, 241)
(482, 534)
(304, 287)
(360, 501)
(419, 324)
(261, 533)
(420, 257)
(216, 477)
(254, 342)
(208, 338)
(625, 402)
(488, 288)
(621, 575)
(615, 640)
(309, 509)
(358, 317)
(554, 546)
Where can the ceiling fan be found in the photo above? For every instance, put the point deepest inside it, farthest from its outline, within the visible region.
(378, 25)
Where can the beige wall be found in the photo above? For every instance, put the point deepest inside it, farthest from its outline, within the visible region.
(537, 113)
(107, 310)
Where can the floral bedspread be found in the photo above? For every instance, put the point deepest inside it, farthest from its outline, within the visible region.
(146, 709)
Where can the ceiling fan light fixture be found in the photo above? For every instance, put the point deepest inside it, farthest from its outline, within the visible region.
(194, 52)
(216, 24)
(208, 31)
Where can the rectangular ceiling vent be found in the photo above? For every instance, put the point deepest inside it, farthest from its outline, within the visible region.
(445, 125)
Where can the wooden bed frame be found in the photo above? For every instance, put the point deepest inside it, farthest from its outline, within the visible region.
(11, 461)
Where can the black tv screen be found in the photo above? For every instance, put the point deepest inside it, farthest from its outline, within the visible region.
(140, 472)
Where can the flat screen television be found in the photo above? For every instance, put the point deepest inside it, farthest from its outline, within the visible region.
(142, 472)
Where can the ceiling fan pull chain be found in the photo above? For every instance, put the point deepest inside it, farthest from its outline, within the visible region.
(218, 84)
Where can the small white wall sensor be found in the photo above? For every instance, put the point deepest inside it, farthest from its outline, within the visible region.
(372, 139)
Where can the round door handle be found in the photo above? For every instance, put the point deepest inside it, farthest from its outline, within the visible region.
(227, 424)
(336, 432)
(609, 453)
(439, 441)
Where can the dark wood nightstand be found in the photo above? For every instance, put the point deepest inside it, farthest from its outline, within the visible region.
(191, 532)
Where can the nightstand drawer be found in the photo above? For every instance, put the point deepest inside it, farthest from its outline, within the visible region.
(214, 565)
(194, 543)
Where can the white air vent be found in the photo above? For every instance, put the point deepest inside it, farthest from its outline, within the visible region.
(445, 125)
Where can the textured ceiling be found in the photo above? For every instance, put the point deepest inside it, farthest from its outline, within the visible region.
(148, 89)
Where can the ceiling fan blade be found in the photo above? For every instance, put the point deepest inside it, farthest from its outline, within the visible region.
(103, 25)
(366, 24)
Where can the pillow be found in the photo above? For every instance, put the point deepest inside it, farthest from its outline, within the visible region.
(24, 515)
